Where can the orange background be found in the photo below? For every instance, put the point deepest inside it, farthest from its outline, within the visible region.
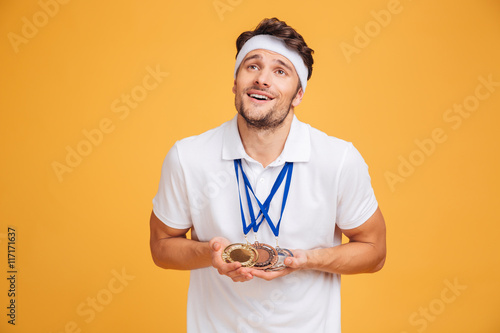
(67, 69)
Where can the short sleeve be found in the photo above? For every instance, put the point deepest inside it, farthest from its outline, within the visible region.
(356, 200)
(170, 204)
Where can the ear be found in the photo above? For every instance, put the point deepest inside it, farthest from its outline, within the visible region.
(298, 97)
(234, 87)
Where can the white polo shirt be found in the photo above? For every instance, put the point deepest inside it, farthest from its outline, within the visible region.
(330, 188)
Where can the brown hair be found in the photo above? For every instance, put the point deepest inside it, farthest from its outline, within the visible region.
(280, 29)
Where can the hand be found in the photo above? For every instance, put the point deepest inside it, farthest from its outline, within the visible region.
(297, 262)
(233, 270)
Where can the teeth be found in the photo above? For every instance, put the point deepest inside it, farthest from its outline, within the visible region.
(259, 96)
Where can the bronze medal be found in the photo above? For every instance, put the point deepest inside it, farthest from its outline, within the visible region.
(267, 256)
(239, 252)
(280, 264)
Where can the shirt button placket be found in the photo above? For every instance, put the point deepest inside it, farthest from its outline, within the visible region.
(262, 190)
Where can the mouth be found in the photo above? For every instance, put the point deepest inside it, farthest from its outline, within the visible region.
(259, 96)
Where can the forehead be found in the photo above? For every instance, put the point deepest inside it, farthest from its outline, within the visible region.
(269, 56)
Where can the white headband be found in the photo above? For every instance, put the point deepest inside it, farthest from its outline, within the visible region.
(271, 43)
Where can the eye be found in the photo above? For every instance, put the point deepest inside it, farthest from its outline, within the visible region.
(280, 72)
(254, 67)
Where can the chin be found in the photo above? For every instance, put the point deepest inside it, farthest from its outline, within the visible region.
(255, 115)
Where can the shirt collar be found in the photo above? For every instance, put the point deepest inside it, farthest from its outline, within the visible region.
(297, 146)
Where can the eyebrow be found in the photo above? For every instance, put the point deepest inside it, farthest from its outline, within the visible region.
(255, 56)
(259, 57)
(282, 63)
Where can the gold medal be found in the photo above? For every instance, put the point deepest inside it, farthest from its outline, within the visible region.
(280, 264)
(239, 252)
(267, 256)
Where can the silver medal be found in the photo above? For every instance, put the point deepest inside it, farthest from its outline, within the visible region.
(280, 264)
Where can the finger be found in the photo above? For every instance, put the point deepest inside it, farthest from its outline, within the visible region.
(241, 272)
(295, 262)
(241, 275)
(226, 269)
(216, 246)
(291, 262)
(270, 275)
(217, 258)
(237, 275)
(242, 278)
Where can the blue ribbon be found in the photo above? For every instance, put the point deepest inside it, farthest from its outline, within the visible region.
(264, 208)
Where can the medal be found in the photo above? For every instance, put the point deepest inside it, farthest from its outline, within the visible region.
(268, 256)
(239, 252)
(280, 264)
(259, 255)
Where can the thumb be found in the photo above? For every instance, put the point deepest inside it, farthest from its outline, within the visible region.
(292, 262)
(216, 246)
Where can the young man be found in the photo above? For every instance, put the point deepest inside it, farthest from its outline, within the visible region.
(266, 198)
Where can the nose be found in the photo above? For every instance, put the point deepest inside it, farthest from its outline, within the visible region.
(263, 79)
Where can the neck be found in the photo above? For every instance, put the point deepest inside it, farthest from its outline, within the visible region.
(264, 146)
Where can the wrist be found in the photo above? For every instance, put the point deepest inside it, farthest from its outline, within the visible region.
(203, 251)
(319, 259)
(309, 262)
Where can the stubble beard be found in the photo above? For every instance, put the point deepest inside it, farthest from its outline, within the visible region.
(271, 121)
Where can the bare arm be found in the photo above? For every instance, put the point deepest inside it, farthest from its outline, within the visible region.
(365, 252)
(172, 250)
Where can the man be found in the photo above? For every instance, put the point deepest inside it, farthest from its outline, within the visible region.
(264, 184)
